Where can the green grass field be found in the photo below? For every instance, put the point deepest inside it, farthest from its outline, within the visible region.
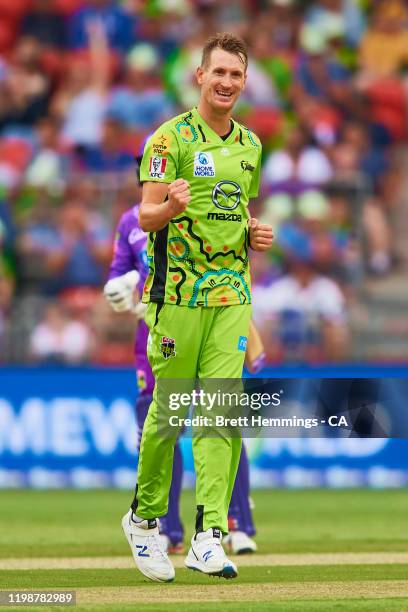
(318, 550)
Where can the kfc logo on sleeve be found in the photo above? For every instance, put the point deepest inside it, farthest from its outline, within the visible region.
(158, 167)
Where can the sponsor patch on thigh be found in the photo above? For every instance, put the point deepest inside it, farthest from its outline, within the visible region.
(168, 347)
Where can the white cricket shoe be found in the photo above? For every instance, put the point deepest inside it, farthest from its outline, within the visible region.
(165, 542)
(147, 548)
(239, 543)
(207, 555)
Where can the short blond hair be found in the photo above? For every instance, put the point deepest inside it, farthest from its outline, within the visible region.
(227, 42)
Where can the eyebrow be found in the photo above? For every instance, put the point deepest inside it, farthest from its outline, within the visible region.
(223, 69)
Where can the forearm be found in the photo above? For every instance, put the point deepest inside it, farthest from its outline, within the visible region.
(100, 58)
(153, 217)
(121, 264)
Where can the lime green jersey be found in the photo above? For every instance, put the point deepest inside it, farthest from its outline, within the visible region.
(201, 257)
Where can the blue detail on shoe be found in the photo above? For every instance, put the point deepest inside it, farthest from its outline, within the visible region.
(207, 555)
(142, 552)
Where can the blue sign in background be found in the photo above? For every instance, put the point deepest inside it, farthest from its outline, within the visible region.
(76, 427)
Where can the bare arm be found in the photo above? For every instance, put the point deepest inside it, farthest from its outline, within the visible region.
(155, 211)
(100, 58)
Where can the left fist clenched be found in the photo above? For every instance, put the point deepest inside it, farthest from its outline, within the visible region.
(260, 235)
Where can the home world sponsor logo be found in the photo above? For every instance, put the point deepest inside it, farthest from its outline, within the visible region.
(204, 165)
(226, 195)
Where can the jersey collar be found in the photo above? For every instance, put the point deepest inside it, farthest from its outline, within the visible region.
(213, 135)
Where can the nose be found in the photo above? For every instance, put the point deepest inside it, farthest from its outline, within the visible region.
(226, 81)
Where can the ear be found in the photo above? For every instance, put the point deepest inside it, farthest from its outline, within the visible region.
(245, 80)
(200, 75)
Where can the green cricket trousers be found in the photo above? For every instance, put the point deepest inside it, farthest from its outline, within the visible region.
(190, 343)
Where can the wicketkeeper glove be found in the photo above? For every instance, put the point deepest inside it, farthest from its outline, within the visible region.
(140, 310)
(120, 292)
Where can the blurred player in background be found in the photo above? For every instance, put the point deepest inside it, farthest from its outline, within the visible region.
(199, 171)
(127, 275)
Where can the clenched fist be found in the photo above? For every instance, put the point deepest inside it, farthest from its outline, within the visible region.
(179, 196)
(260, 235)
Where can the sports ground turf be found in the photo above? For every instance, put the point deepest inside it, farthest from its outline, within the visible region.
(318, 550)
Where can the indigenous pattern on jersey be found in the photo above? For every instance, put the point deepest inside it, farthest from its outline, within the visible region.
(201, 257)
(129, 253)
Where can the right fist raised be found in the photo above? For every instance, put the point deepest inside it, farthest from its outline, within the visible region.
(179, 196)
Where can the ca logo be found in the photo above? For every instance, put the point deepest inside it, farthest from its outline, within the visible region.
(226, 195)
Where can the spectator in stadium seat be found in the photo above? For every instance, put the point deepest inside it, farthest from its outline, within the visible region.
(260, 90)
(59, 339)
(328, 222)
(45, 24)
(140, 101)
(297, 166)
(168, 31)
(87, 190)
(263, 273)
(81, 249)
(301, 315)
(36, 238)
(36, 231)
(111, 155)
(179, 73)
(319, 73)
(384, 47)
(119, 26)
(328, 14)
(282, 19)
(81, 101)
(277, 62)
(347, 158)
(48, 166)
(373, 161)
(26, 88)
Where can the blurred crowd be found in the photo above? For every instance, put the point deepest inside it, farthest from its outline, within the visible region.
(83, 82)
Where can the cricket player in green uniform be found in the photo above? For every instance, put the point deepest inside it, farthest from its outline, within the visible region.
(199, 171)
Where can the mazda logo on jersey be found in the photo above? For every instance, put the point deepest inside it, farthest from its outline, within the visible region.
(226, 195)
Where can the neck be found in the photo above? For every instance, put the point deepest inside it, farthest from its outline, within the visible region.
(219, 121)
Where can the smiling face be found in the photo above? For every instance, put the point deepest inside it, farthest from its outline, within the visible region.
(222, 79)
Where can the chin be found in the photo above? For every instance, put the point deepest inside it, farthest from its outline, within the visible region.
(221, 105)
